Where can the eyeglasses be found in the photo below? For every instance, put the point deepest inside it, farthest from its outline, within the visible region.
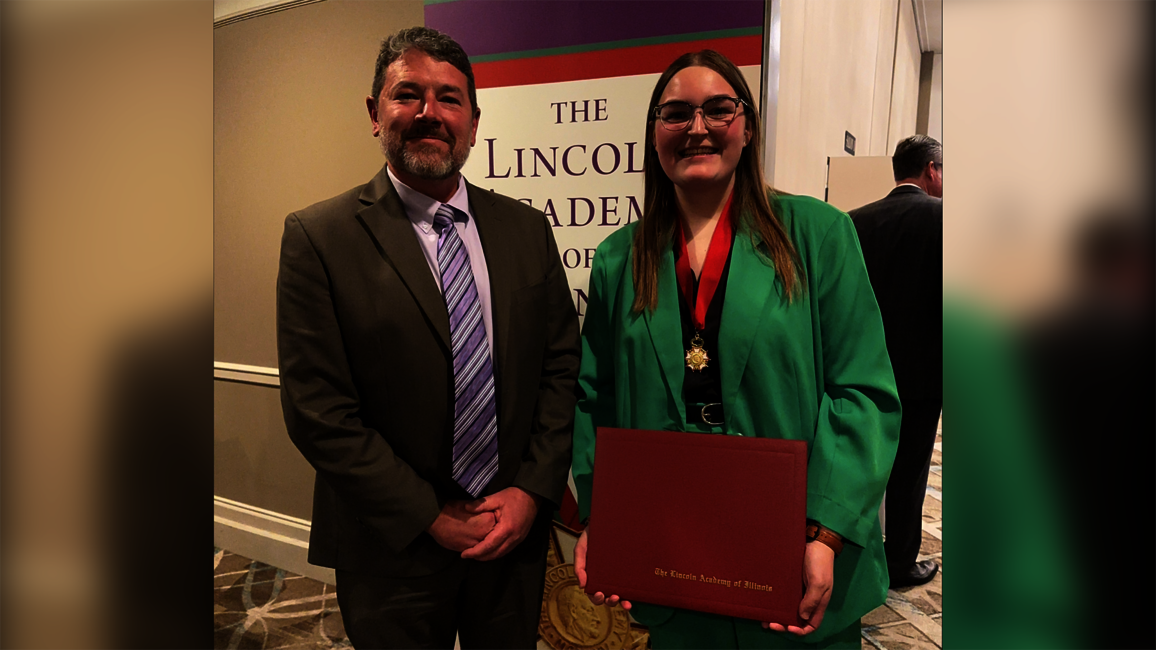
(717, 111)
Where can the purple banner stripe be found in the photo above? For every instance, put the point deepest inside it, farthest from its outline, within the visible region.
(499, 26)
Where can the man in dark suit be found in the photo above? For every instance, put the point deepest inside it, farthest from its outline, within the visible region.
(902, 240)
(428, 352)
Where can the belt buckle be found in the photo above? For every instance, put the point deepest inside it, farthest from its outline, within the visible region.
(706, 419)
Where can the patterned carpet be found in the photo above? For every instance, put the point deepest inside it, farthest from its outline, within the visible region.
(262, 607)
(912, 617)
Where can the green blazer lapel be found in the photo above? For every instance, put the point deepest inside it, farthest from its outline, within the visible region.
(665, 328)
(498, 249)
(385, 219)
(750, 283)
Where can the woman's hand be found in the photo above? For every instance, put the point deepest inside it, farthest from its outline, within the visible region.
(580, 570)
(819, 578)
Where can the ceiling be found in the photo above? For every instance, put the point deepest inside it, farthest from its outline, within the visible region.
(929, 23)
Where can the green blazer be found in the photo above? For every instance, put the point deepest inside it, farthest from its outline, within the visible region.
(815, 370)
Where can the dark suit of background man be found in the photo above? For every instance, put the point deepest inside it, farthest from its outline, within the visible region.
(367, 347)
(902, 240)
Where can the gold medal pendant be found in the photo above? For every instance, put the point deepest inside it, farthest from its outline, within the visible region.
(696, 357)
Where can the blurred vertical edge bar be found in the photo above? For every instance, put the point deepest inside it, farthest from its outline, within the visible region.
(106, 253)
(1049, 384)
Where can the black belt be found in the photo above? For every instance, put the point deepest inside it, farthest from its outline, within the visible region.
(704, 413)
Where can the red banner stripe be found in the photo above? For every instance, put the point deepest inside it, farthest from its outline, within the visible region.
(646, 59)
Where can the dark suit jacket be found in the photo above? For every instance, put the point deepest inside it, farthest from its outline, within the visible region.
(367, 372)
(902, 240)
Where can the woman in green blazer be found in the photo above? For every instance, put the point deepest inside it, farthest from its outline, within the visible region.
(730, 308)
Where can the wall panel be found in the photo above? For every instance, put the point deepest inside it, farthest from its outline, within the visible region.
(254, 462)
(884, 70)
(835, 76)
(905, 86)
(935, 110)
(290, 129)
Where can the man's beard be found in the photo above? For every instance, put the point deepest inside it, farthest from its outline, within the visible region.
(422, 160)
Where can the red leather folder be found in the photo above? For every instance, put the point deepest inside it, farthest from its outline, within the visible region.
(708, 522)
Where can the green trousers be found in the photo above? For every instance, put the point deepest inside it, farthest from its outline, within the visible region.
(687, 629)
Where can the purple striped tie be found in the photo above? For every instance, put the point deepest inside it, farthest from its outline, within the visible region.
(475, 412)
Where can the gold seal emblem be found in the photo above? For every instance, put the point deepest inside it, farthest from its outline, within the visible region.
(696, 357)
(571, 622)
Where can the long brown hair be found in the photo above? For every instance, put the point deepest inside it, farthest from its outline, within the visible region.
(751, 208)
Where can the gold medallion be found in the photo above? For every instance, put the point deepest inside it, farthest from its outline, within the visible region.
(571, 622)
(696, 357)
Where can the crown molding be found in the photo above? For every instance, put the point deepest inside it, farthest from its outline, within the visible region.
(227, 12)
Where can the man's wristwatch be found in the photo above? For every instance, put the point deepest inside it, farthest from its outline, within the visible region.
(817, 533)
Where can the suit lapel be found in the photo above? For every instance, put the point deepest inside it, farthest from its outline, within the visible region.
(665, 327)
(498, 250)
(750, 283)
(385, 218)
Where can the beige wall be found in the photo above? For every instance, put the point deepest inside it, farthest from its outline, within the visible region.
(884, 72)
(254, 461)
(905, 85)
(836, 75)
(935, 109)
(290, 128)
(930, 118)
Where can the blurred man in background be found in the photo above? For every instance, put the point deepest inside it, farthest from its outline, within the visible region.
(902, 240)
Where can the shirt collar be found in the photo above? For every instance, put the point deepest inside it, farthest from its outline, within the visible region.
(421, 209)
